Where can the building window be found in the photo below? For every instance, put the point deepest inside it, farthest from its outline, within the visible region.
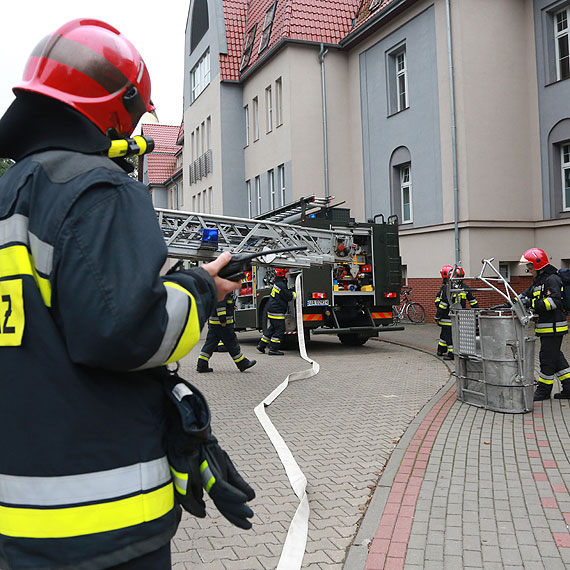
(200, 75)
(401, 81)
(267, 25)
(269, 109)
(561, 44)
(247, 48)
(258, 193)
(210, 200)
(505, 270)
(271, 183)
(406, 193)
(278, 102)
(281, 174)
(246, 109)
(255, 119)
(249, 199)
(565, 156)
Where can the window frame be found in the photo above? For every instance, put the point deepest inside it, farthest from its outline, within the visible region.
(281, 180)
(246, 109)
(401, 73)
(248, 42)
(272, 193)
(558, 35)
(255, 109)
(278, 102)
(267, 27)
(200, 76)
(403, 187)
(249, 199)
(565, 168)
(258, 193)
(268, 109)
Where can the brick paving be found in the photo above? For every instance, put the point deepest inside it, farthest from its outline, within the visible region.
(341, 426)
(493, 495)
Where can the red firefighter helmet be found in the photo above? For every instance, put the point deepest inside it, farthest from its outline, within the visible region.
(536, 257)
(92, 67)
(459, 271)
(446, 271)
(281, 272)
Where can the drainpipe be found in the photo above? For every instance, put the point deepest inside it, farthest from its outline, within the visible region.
(453, 133)
(322, 54)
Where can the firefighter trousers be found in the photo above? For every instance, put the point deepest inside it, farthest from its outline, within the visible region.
(445, 343)
(273, 334)
(552, 361)
(228, 336)
(158, 560)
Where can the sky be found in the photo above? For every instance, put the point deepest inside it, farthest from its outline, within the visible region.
(155, 28)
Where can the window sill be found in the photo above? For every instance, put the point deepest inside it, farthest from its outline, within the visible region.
(556, 82)
(397, 112)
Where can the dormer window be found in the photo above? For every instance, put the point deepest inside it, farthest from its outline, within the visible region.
(247, 48)
(267, 25)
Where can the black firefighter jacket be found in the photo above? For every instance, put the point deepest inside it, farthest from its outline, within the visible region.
(85, 320)
(442, 306)
(546, 300)
(279, 299)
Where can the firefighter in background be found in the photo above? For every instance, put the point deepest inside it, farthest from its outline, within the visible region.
(445, 344)
(544, 296)
(87, 324)
(221, 330)
(276, 310)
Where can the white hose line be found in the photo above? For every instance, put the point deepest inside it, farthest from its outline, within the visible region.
(294, 547)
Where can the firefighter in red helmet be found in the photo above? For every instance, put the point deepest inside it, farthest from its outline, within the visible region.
(276, 310)
(88, 325)
(544, 296)
(445, 343)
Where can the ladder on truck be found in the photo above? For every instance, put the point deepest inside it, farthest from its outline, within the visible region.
(296, 210)
(187, 236)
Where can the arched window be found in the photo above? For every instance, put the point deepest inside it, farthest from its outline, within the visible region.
(559, 169)
(401, 195)
(199, 23)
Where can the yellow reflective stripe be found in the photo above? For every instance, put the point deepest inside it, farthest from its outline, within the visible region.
(90, 519)
(543, 330)
(180, 479)
(564, 377)
(208, 478)
(16, 260)
(191, 334)
(547, 381)
(547, 304)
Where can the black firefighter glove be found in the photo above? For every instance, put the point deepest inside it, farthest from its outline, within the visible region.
(198, 462)
(526, 301)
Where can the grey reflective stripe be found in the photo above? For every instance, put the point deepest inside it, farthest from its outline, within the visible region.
(177, 305)
(15, 230)
(181, 390)
(207, 476)
(563, 372)
(84, 488)
(559, 325)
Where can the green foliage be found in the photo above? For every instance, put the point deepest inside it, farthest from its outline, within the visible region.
(5, 163)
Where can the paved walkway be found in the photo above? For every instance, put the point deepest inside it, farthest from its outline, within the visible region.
(469, 488)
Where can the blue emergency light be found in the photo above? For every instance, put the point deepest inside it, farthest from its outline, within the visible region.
(209, 238)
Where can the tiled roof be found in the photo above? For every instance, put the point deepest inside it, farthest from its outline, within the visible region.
(165, 136)
(327, 21)
(234, 13)
(161, 163)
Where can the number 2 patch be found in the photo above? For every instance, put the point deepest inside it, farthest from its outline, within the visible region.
(12, 318)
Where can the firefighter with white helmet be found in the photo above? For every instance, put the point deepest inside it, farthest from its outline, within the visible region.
(544, 296)
(445, 343)
(276, 310)
(88, 325)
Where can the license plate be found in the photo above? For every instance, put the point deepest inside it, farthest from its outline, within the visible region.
(317, 302)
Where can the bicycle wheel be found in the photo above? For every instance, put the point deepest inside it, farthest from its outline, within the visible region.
(415, 313)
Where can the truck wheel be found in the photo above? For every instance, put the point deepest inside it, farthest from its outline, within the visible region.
(352, 339)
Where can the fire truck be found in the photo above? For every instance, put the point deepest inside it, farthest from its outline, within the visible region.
(351, 271)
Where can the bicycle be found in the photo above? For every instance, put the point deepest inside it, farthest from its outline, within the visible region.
(409, 309)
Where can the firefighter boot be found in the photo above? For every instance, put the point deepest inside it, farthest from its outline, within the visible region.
(261, 347)
(565, 393)
(202, 366)
(542, 392)
(275, 352)
(244, 364)
(449, 356)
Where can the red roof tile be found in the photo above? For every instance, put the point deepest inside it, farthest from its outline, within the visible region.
(165, 136)
(160, 167)
(327, 21)
(161, 162)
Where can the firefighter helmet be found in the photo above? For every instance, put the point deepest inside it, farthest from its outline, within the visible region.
(281, 272)
(459, 271)
(446, 271)
(93, 68)
(536, 257)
